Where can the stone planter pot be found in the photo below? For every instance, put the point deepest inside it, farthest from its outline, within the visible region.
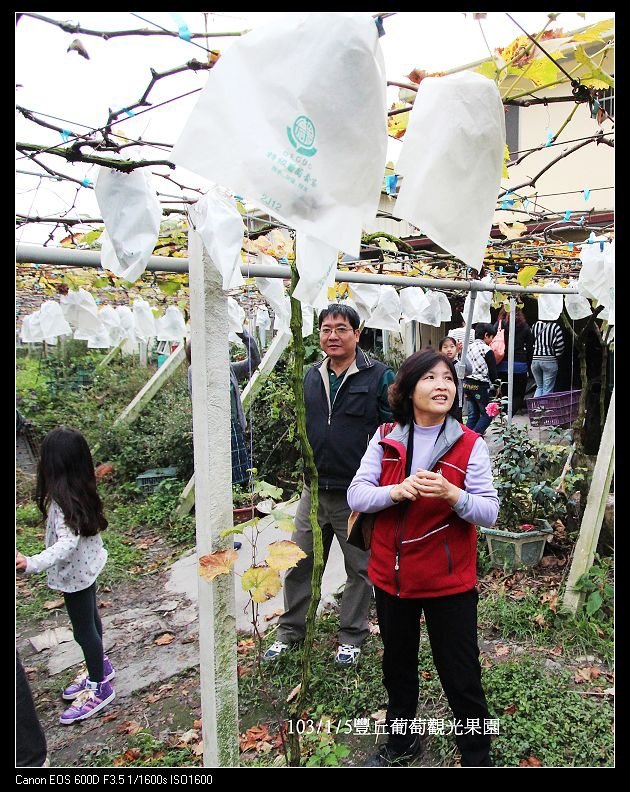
(242, 515)
(511, 550)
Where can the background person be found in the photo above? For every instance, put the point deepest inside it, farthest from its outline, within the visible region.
(548, 348)
(345, 398)
(523, 352)
(477, 384)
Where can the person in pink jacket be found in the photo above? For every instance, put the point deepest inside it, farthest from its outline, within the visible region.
(428, 482)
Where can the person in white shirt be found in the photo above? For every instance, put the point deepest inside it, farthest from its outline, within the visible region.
(74, 556)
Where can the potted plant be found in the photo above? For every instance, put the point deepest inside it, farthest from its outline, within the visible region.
(249, 499)
(524, 469)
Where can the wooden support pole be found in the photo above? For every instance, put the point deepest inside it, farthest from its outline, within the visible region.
(111, 353)
(594, 511)
(160, 378)
(211, 433)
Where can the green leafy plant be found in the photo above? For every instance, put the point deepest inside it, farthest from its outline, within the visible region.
(524, 469)
(596, 585)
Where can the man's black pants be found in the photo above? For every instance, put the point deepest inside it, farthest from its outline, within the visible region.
(452, 628)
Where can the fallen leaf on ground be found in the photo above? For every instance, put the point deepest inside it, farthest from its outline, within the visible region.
(586, 674)
(531, 761)
(112, 716)
(253, 736)
(501, 650)
(188, 736)
(197, 724)
(294, 692)
(51, 604)
(130, 755)
(197, 748)
(129, 727)
(427, 675)
(270, 616)
(557, 651)
(167, 638)
(242, 647)
(539, 619)
(105, 604)
(510, 710)
(189, 638)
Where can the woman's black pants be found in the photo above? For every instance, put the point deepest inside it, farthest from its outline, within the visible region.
(452, 628)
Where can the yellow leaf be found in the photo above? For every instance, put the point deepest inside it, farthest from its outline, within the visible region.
(593, 70)
(594, 33)
(542, 71)
(284, 521)
(514, 231)
(262, 582)
(397, 124)
(525, 275)
(218, 563)
(487, 69)
(283, 554)
(332, 294)
(505, 174)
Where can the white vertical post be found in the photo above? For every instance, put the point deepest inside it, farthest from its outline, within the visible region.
(143, 353)
(213, 501)
(511, 338)
(461, 366)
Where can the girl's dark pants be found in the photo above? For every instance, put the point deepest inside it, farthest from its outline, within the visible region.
(87, 629)
(452, 628)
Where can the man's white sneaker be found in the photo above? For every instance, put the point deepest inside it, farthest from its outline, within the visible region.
(347, 654)
(275, 650)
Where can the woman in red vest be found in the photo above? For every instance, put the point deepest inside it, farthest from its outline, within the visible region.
(428, 481)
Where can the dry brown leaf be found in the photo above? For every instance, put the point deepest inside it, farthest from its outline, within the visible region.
(189, 638)
(197, 748)
(242, 647)
(510, 710)
(112, 716)
(557, 651)
(167, 638)
(539, 619)
(253, 736)
(294, 692)
(427, 675)
(188, 736)
(501, 650)
(586, 674)
(129, 727)
(51, 604)
(218, 563)
(105, 604)
(270, 616)
(198, 724)
(552, 598)
(531, 761)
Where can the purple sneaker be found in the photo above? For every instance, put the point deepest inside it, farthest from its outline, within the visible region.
(80, 681)
(88, 702)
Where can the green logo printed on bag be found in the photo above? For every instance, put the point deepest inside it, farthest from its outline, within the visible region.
(302, 136)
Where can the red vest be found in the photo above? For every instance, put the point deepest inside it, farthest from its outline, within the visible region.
(422, 548)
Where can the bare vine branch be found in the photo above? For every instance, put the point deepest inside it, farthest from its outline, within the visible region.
(69, 27)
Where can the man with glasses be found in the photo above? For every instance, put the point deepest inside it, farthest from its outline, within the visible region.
(346, 400)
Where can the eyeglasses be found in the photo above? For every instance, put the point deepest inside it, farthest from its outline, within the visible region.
(340, 331)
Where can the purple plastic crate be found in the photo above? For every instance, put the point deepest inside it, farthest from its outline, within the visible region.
(555, 409)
